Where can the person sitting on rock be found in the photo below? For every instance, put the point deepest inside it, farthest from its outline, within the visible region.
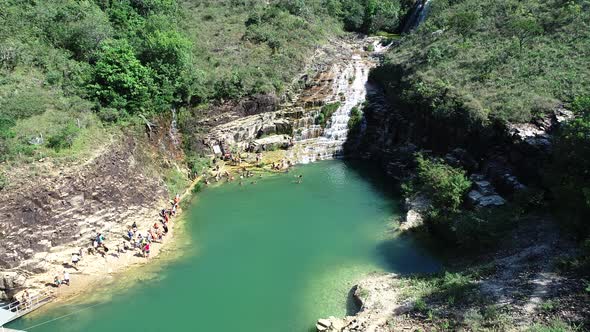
(56, 281)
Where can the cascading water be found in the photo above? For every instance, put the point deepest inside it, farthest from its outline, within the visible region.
(417, 16)
(350, 89)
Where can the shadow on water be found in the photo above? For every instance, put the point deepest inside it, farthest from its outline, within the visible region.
(404, 253)
(374, 175)
(406, 256)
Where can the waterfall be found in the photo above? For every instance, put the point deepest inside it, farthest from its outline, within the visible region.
(417, 16)
(350, 89)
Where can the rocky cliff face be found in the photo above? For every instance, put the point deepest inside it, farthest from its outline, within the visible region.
(64, 207)
(507, 156)
(337, 74)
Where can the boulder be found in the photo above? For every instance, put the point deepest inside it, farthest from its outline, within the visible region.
(270, 143)
(483, 193)
(484, 187)
(473, 197)
(323, 325)
(416, 207)
(492, 200)
(10, 282)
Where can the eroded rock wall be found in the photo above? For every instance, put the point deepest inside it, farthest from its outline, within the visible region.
(65, 206)
(509, 156)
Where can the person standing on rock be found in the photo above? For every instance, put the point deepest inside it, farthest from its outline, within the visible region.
(66, 278)
(75, 260)
(146, 250)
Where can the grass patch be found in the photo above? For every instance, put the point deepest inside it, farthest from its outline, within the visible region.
(176, 181)
(553, 326)
(445, 286)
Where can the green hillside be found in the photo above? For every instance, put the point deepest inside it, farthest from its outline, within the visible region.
(509, 60)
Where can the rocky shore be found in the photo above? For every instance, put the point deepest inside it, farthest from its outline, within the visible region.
(57, 214)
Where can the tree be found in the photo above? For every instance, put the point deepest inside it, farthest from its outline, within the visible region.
(381, 15)
(524, 28)
(78, 27)
(464, 23)
(120, 80)
(353, 13)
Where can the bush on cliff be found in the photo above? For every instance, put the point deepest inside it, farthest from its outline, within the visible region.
(444, 185)
(355, 120)
(568, 175)
(500, 61)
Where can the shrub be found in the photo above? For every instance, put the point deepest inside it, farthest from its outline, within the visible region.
(64, 138)
(443, 184)
(198, 165)
(326, 113)
(3, 181)
(112, 115)
(199, 186)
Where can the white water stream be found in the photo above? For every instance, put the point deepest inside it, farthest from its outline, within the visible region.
(350, 89)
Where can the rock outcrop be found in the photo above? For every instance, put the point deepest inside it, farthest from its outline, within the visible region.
(415, 208)
(341, 71)
(483, 193)
(10, 283)
(53, 212)
(378, 295)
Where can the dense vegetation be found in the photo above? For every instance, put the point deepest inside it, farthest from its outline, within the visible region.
(569, 173)
(443, 185)
(488, 60)
(68, 67)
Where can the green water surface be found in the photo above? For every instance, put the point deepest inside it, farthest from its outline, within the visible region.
(271, 256)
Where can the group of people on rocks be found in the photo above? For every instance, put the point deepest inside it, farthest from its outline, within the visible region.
(155, 233)
(133, 240)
